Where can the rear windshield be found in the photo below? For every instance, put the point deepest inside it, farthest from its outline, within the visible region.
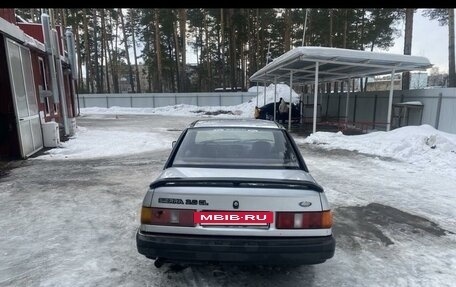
(236, 147)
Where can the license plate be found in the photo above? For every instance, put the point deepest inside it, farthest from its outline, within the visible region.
(233, 217)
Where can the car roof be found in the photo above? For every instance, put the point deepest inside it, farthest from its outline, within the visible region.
(251, 123)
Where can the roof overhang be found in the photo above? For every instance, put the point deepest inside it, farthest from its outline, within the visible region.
(14, 32)
(335, 64)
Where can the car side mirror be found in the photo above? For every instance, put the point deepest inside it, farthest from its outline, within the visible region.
(173, 144)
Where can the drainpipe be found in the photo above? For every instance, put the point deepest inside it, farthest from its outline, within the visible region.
(48, 44)
(73, 64)
(61, 85)
(52, 50)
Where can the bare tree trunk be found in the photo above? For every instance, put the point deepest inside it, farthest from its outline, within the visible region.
(222, 43)
(87, 50)
(125, 38)
(407, 45)
(183, 34)
(102, 53)
(250, 44)
(158, 50)
(138, 80)
(451, 60)
(149, 52)
(199, 60)
(344, 41)
(355, 45)
(362, 30)
(106, 50)
(243, 65)
(345, 30)
(32, 15)
(78, 50)
(171, 82)
(287, 30)
(363, 82)
(232, 48)
(257, 46)
(95, 44)
(115, 61)
(330, 27)
(177, 53)
(64, 16)
(208, 53)
(149, 80)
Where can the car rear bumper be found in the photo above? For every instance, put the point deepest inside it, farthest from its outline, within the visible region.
(234, 249)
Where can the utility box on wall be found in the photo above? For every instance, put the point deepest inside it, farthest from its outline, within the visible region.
(51, 135)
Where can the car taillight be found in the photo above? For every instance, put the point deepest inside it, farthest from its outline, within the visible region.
(166, 216)
(304, 220)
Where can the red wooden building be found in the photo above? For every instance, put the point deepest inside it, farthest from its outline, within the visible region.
(36, 87)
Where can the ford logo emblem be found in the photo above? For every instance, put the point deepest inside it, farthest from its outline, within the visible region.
(305, 203)
(235, 204)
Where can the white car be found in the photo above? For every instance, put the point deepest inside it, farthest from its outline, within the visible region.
(235, 191)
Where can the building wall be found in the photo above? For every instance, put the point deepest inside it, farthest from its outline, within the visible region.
(9, 141)
(54, 114)
(36, 31)
(8, 15)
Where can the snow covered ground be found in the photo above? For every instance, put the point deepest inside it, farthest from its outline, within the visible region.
(72, 221)
(422, 146)
(97, 142)
(92, 143)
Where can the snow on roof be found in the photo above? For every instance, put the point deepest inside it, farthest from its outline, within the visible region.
(32, 42)
(335, 64)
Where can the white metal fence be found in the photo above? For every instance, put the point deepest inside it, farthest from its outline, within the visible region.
(153, 100)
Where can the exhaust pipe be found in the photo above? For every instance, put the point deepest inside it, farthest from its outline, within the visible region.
(159, 262)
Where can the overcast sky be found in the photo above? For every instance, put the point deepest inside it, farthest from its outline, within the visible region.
(429, 40)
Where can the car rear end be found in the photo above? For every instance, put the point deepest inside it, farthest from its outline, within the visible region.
(258, 208)
(247, 221)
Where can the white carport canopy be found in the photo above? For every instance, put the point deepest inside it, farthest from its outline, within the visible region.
(311, 65)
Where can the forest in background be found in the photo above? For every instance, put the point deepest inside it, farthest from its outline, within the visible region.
(230, 44)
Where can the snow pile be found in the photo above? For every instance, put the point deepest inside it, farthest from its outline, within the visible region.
(244, 110)
(421, 145)
(283, 91)
(253, 89)
(89, 143)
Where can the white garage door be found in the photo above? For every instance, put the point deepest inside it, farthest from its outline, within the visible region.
(23, 87)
